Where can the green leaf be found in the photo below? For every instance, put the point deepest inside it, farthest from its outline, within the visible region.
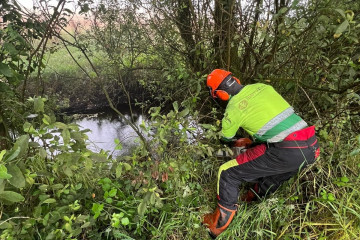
(208, 126)
(198, 87)
(38, 104)
(152, 198)
(120, 235)
(97, 208)
(342, 13)
(125, 221)
(161, 135)
(10, 48)
(50, 200)
(57, 186)
(105, 180)
(118, 170)
(119, 147)
(88, 164)
(5, 225)
(330, 197)
(66, 136)
(142, 208)
(355, 152)
(2, 185)
(68, 172)
(46, 119)
(112, 192)
(344, 179)
(74, 126)
(60, 125)
(28, 127)
(13, 154)
(283, 10)
(184, 112)
(17, 179)
(23, 143)
(2, 153)
(155, 110)
(98, 157)
(5, 70)
(127, 166)
(45, 220)
(77, 136)
(176, 107)
(85, 225)
(78, 186)
(42, 153)
(323, 133)
(37, 212)
(341, 28)
(3, 172)
(295, 3)
(11, 196)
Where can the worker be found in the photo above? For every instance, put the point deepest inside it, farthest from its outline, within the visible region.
(284, 143)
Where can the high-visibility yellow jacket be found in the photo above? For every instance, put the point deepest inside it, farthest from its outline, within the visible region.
(262, 112)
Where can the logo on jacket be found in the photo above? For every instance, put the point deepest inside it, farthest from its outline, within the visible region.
(243, 104)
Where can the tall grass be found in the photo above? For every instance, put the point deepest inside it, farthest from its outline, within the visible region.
(322, 202)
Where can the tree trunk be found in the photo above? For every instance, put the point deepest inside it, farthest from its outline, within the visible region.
(184, 24)
(246, 63)
(4, 135)
(224, 46)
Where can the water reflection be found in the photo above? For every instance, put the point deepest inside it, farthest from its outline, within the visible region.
(105, 128)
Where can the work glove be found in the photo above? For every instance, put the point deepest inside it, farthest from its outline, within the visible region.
(242, 142)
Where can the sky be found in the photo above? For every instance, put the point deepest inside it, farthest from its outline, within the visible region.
(29, 3)
(26, 3)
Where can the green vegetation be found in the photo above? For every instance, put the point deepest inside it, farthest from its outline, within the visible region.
(156, 54)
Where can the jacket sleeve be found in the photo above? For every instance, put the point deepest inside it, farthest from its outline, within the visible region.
(230, 123)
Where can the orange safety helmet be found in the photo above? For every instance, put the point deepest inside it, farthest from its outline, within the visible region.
(214, 80)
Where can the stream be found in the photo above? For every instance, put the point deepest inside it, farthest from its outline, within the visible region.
(107, 126)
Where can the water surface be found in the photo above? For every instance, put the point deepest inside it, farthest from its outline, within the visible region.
(105, 128)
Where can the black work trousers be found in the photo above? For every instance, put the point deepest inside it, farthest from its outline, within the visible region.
(269, 165)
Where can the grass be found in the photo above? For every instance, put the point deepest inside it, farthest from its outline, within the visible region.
(309, 216)
(61, 62)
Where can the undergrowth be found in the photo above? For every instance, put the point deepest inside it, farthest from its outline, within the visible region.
(52, 187)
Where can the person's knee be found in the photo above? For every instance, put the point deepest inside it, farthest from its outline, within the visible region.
(222, 172)
(226, 166)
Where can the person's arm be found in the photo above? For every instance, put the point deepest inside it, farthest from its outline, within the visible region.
(230, 124)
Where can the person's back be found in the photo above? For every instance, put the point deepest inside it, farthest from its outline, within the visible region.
(262, 112)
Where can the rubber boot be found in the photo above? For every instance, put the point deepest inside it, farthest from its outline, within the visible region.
(219, 220)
